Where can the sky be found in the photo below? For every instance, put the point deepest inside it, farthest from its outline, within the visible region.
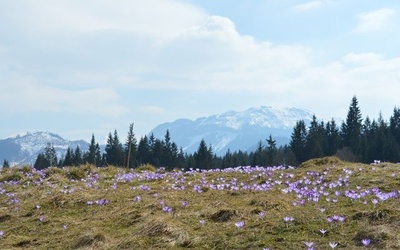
(78, 68)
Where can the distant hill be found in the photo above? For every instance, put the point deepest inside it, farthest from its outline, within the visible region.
(235, 130)
(23, 149)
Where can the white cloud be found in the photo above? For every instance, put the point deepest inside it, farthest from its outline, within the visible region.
(142, 16)
(375, 20)
(26, 94)
(308, 6)
(98, 57)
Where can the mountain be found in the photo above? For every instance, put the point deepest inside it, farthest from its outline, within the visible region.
(24, 149)
(235, 130)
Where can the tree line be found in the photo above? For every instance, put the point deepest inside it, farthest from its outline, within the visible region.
(354, 140)
(357, 139)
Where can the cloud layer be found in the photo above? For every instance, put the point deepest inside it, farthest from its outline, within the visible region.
(131, 61)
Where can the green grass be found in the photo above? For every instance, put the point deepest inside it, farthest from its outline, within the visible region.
(125, 223)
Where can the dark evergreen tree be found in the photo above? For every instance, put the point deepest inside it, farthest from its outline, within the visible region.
(93, 156)
(332, 138)
(144, 154)
(169, 154)
(131, 148)
(156, 153)
(271, 151)
(351, 129)
(41, 162)
(78, 157)
(50, 155)
(203, 156)
(114, 154)
(316, 139)
(298, 141)
(258, 157)
(6, 164)
(69, 158)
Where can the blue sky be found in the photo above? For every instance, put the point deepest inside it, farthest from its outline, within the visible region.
(80, 67)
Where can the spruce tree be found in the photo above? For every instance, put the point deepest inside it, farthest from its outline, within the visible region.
(258, 157)
(298, 141)
(203, 156)
(316, 139)
(92, 154)
(131, 147)
(144, 153)
(351, 129)
(50, 155)
(6, 164)
(271, 151)
(41, 162)
(78, 157)
(332, 138)
(69, 157)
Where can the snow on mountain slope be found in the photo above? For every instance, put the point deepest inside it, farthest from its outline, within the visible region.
(24, 148)
(234, 130)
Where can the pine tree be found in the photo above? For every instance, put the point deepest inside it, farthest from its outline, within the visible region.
(203, 156)
(271, 151)
(131, 148)
(259, 155)
(69, 157)
(298, 141)
(114, 152)
(351, 129)
(78, 158)
(50, 155)
(92, 154)
(6, 164)
(41, 162)
(144, 151)
(316, 139)
(332, 138)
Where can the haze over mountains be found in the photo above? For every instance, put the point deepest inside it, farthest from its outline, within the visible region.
(230, 130)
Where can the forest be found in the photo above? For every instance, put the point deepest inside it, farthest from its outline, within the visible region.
(356, 140)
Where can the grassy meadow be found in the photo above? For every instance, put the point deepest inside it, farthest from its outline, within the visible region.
(323, 204)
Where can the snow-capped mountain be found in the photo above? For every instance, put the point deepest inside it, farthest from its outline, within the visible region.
(24, 149)
(234, 130)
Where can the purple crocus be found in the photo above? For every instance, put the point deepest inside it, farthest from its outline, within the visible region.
(333, 245)
(41, 218)
(288, 219)
(308, 244)
(239, 224)
(366, 242)
(167, 209)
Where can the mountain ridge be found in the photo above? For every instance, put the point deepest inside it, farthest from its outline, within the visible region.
(234, 130)
(24, 148)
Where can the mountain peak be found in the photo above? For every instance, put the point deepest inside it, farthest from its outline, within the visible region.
(23, 148)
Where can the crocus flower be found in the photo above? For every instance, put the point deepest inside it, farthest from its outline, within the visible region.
(323, 231)
(1, 233)
(41, 218)
(366, 242)
(333, 245)
(308, 244)
(167, 209)
(288, 219)
(239, 224)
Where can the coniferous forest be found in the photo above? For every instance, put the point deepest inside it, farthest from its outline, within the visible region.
(356, 139)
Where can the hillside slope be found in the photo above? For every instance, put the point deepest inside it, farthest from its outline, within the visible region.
(326, 202)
